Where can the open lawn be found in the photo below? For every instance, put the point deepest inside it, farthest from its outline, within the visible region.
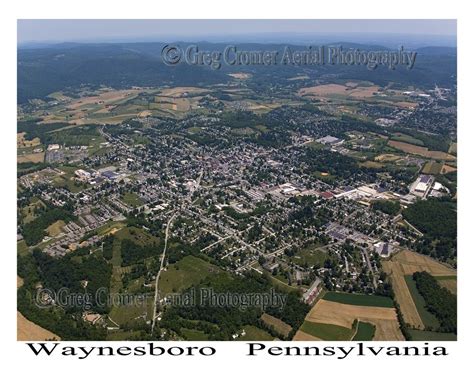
(29, 211)
(252, 333)
(22, 247)
(32, 157)
(122, 314)
(21, 142)
(183, 274)
(132, 199)
(311, 256)
(194, 335)
(55, 228)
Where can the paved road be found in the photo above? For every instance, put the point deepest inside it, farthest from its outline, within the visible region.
(159, 271)
(168, 226)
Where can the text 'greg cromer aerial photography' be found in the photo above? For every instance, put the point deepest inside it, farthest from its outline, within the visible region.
(237, 180)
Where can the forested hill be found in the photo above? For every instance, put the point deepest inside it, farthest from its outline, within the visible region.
(44, 70)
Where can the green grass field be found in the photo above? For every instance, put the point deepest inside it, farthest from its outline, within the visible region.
(185, 273)
(420, 335)
(327, 332)
(194, 335)
(406, 138)
(120, 335)
(132, 199)
(22, 248)
(365, 332)
(356, 299)
(429, 319)
(432, 168)
(122, 314)
(252, 333)
(446, 277)
(311, 256)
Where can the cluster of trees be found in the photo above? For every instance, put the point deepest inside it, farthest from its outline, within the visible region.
(436, 218)
(439, 301)
(431, 141)
(34, 231)
(72, 137)
(79, 272)
(107, 247)
(134, 253)
(54, 274)
(386, 206)
(321, 160)
(220, 322)
(33, 129)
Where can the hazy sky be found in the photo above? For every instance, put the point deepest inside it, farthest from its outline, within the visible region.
(160, 30)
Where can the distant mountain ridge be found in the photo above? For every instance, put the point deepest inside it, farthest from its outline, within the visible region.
(42, 71)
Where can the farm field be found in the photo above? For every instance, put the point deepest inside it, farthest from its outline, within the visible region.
(365, 332)
(406, 263)
(343, 315)
(422, 151)
(302, 336)
(421, 335)
(280, 326)
(327, 332)
(429, 320)
(356, 299)
(406, 138)
(29, 331)
(334, 90)
(432, 168)
(33, 158)
(449, 282)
